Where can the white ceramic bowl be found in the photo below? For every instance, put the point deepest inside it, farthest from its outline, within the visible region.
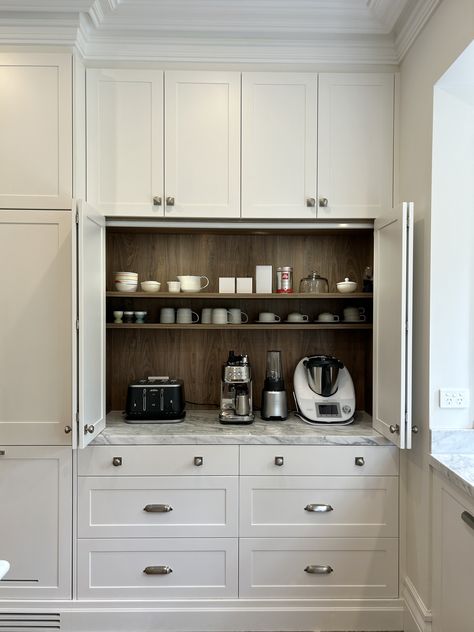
(346, 286)
(126, 287)
(150, 286)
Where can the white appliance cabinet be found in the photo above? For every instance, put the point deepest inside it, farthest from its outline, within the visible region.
(36, 522)
(35, 131)
(140, 129)
(453, 557)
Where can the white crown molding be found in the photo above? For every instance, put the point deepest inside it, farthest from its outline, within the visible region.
(387, 12)
(412, 26)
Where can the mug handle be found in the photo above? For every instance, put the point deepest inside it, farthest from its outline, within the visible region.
(336, 318)
(192, 317)
(305, 317)
(244, 318)
(229, 316)
(361, 310)
(277, 318)
(362, 318)
(204, 286)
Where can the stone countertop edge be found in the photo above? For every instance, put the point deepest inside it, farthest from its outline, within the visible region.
(457, 468)
(203, 427)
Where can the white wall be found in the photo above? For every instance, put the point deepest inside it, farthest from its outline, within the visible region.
(449, 30)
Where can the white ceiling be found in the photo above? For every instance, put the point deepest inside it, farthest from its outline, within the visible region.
(293, 31)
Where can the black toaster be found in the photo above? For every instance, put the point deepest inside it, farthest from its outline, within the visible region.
(156, 399)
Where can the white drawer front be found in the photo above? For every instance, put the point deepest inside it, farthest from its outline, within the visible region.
(134, 507)
(322, 506)
(361, 568)
(162, 460)
(306, 460)
(115, 569)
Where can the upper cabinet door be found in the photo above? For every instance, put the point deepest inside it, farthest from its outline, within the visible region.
(202, 144)
(356, 145)
(279, 141)
(35, 131)
(36, 345)
(393, 290)
(91, 335)
(125, 141)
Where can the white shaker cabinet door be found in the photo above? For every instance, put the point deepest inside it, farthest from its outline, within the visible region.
(202, 144)
(355, 145)
(36, 341)
(279, 145)
(35, 131)
(36, 521)
(125, 141)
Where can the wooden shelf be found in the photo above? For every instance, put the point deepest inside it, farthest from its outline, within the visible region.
(238, 297)
(246, 326)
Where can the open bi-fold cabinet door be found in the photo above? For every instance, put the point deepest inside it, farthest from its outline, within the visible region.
(91, 317)
(393, 310)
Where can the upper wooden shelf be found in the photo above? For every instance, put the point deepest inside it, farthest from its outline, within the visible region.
(214, 295)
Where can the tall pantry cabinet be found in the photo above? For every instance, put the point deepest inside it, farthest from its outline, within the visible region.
(37, 350)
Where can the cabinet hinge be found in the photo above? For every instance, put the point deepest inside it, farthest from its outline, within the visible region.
(77, 217)
(77, 416)
(77, 324)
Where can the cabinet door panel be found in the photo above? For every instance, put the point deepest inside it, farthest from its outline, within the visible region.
(36, 332)
(202, 144)
(36, 522)
(125, 141)
(279, 136)
(36, 131)
(355, 150)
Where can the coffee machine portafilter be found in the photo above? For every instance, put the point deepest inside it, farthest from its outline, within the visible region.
(236, 391)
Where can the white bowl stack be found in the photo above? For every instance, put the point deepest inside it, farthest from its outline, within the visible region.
(126, 281)
(150, 286)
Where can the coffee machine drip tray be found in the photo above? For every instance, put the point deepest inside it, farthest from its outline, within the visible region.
(229, 417)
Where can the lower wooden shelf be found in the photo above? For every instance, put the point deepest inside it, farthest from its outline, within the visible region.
(246, 326)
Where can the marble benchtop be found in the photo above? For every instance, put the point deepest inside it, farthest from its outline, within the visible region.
(457, 468)
(203, 427)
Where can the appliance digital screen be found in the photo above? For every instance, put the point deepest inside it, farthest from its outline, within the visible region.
(328, 409)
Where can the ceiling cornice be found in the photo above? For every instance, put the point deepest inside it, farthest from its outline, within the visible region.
(412, 26)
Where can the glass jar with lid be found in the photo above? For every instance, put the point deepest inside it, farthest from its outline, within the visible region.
(314, 283)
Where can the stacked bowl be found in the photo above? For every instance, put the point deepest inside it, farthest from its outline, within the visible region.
(126, 281)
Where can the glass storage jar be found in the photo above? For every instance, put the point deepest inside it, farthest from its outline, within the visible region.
(314, 283)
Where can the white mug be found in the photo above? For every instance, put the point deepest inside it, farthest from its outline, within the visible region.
(268, 317)
(186, 315)
(118, 317)
(167, 315)
(174, 286)
(220, 316)
(327, 317)
(296, 317)
(191, 283)
(206, 315)
(237, 316)
(354, 313)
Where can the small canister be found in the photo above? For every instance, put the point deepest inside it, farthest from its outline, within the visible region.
(284, 277)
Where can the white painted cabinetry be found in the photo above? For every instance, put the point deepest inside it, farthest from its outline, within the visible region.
(36, 339)
(453, 558)
(125, 141)
(35, 131)
(279, 145)
(355, 145)
(36, 521)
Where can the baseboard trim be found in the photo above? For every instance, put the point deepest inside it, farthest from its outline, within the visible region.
(416, 611)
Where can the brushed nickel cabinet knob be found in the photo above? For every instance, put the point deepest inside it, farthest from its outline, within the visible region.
(394, 428)
(198, 460)
(310, 202)
(117, 461)
(279, 460)
(359, 460)
(157, 201)
(67, 429)
(323, 202)
(170, 201)
(89, 429)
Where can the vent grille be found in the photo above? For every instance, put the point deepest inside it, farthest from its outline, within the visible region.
(30, 622)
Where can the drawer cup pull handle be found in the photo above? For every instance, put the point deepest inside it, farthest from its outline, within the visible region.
(198, 460)
(157, 570)
(158, 508)
(315, 508)
(318, 570)
(359, 460)
(279, 460)
(468, 519)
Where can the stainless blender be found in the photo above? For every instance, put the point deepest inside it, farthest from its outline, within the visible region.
(274, 401)
(236, 391)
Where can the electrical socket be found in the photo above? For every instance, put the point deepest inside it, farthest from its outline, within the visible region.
(454, 398)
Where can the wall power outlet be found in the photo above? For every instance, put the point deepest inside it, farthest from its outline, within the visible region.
(454, 398)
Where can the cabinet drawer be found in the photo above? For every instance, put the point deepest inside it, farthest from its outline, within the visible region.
(319, 460)
(322, 506)
(134, 507)
(162, 460)
(341, 568)
(157, 568)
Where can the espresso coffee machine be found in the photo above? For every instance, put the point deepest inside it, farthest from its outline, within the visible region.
(236, 391)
